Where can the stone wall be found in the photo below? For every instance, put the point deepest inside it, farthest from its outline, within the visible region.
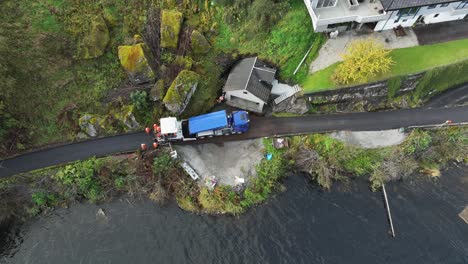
(366, 97)
(362, 92)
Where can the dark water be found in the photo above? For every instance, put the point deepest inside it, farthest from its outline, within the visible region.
(301, 225)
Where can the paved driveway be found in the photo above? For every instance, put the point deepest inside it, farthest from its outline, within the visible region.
(441, 32)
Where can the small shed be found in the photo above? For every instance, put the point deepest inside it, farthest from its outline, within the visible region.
(249, 85)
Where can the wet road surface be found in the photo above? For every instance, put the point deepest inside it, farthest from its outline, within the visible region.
(260, 127)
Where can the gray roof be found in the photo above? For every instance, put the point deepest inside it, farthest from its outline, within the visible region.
(399, 4)
(253, 75)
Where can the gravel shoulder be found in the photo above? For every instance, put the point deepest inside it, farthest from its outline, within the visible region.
(370, 139)
(225, 161)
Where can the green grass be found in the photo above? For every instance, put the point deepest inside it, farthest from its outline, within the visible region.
(320, 80)
(407, 61)
(285, 45)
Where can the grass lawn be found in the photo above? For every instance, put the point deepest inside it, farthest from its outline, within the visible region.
(407, 61)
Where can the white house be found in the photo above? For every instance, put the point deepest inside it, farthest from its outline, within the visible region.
(249, 85)
(341, 15)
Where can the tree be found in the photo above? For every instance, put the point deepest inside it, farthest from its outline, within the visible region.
(142, 106)
(364, 59)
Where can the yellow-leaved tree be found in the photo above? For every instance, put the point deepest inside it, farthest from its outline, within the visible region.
(364, 59)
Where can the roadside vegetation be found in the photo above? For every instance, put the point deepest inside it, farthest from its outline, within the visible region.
(406, 61)
(61, 71)
(328, 160)
(156, 176)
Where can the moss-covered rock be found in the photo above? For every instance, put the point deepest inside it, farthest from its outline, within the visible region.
(181, 90)
(137, 39)
(199, 43)
(90, 124)
(171, 22)
(95, 41)
(158, 91)
(134, 61)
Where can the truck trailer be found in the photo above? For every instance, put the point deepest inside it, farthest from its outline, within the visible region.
(208, 125)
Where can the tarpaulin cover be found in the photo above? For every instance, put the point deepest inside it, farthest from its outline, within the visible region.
(209, 121)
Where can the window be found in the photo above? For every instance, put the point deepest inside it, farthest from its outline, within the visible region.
(326, 3)
(404, 20)
(245, 92)
(463, 4)
(436, 15)
(444, 5)
(408, 11)
(431, 6)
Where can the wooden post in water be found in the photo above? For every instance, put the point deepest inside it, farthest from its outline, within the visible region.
(388, 209)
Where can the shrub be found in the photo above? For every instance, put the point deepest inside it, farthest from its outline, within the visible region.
(364, 60)
(219, 201)
(187, 203)
(418, 141)
(361, 162)
(120, 182)
(44, 199)
(81, 177)
(142, 106)
(162, 164)
(269, 172)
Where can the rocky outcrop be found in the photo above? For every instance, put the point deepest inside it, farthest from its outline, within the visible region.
(199, 43)
(181, 90)
(171, 23)
(133, 59)
(95, 40)
(89, 125)
(158, 91)
(125, 116)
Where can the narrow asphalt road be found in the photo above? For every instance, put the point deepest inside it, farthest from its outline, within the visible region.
(260, 127)
(450, 98)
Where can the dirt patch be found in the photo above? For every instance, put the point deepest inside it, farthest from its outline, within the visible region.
(224, 161)
(370, 139)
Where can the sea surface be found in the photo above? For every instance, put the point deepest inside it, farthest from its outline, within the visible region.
(300, 225)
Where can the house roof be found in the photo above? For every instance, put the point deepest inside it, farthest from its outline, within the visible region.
(253, 75)
(399, 4)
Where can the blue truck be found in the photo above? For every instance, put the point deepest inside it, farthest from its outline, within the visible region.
(208, 125)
